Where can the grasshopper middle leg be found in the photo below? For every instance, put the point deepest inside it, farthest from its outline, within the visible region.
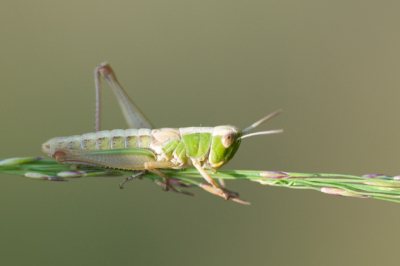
(152, 167)
(136, 175)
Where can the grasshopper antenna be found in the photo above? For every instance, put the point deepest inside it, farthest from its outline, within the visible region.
(261, 133)
(268, 117)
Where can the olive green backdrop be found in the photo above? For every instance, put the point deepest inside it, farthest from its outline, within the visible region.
(332, 66)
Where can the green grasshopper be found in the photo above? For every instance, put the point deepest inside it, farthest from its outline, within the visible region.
(143, 148)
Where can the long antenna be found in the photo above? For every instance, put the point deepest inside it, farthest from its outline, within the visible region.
(268, 117)
(276, 131)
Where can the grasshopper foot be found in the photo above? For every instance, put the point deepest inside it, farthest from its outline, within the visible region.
(136, 175)
(230, 192)
(221, 193)
(165, 184)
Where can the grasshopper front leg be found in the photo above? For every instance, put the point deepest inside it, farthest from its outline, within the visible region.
(209, 179)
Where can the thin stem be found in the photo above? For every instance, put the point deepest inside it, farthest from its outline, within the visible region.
(380, 187)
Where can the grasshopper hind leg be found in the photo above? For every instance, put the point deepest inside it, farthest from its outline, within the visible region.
(133, 116)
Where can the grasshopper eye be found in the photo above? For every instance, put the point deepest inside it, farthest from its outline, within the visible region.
(228, 139)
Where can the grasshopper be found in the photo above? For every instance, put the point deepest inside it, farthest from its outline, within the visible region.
(142, 148)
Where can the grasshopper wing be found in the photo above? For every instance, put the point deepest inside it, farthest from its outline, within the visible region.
(126, 159)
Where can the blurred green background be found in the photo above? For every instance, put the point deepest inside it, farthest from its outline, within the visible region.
(332, 66)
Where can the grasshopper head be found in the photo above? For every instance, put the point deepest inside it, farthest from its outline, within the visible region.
(226, 141)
